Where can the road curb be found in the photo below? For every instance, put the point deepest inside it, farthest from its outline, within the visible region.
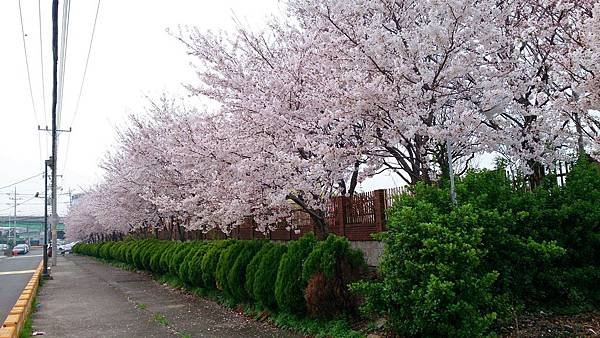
(12, 326)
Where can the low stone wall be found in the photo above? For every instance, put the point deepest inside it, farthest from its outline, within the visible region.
(371, 249)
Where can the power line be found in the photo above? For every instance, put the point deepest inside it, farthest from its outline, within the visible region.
(29, 77)
(27, 63)
(29, 194)
(63, 56)
(21, 181)
(12, 206)
(42, 69)
(42, 62)
(87, 60)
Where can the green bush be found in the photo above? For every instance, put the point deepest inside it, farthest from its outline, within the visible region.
(236, 276)
(264, 278)
(327, 271)
(253, 267)
(104, 250)
(289, 285)
(540, 246)
(183, 272)
(138, 252)
(210, 261)
(433, 282)
(129, 252)
(93, 250)
(114, 249)
(146, 254)
(195, 266)
(156, 255)
(178, 257)
(226, 261)
(165, 257)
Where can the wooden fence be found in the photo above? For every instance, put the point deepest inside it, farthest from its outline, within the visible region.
(559, 171)
(355, 217)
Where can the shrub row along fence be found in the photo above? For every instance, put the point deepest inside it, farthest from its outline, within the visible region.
(305, 277)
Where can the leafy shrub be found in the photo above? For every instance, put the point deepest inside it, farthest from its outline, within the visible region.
(165, 258)
(328, 270)
(93, 250)
(155, 256)
(289, 285)
(236, 276)
(264, 278)
(114, 249)
(104, 250)
(210, 261)
(194, 276)
(146, 253)
(138, 253)
(253, 267)
(433, 281)
(183, 272)
(226, 261)
(177, 258)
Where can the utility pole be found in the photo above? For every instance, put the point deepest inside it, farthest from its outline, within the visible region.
(45, 253)
(15, 220)
(54, 220)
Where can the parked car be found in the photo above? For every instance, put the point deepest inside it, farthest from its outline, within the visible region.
(3, 247)
(66, 248)
(20, 249)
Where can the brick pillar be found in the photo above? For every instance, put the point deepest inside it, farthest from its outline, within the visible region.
(339, 219)
(379, 206)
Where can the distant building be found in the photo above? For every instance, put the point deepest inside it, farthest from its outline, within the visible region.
(31, 227)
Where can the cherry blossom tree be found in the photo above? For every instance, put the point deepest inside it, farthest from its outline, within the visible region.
(341, 90)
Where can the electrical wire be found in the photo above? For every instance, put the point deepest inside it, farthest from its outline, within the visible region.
(42, 63)
(27, 62)
(87, 60)
(11, 207)
(63, 58)
(29, 78)
(21, 181)
(42, 68)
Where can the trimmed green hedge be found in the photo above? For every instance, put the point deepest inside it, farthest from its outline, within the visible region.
(289, 285)
(264, 278)
(245, 271)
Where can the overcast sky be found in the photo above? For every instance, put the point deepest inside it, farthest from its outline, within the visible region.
(132, 57)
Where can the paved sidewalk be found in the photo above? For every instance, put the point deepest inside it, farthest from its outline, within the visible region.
(87, 298)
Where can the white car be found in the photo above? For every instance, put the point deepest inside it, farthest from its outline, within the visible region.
(66, 248)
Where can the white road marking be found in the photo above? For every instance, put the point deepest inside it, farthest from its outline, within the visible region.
(16, 272)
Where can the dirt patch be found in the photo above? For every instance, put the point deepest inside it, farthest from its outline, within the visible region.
(548, 325)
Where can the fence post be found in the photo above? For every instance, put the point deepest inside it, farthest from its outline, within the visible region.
(379, 206)
(339, 220)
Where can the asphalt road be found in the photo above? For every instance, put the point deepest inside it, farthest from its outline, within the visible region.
(15, 273)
